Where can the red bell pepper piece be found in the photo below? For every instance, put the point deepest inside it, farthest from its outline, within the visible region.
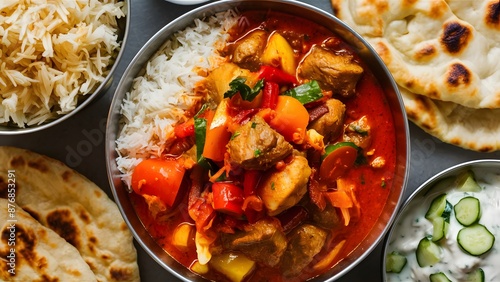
(251, 179)
(270, 94)
(269, 73)
(185, 129)
(227, 198)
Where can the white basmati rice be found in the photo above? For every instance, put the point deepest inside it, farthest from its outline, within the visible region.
(52, 52)
(159, 98)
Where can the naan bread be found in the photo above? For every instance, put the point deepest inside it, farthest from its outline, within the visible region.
(39, 254)
(444, 50)
(76, 209)
(473, 129)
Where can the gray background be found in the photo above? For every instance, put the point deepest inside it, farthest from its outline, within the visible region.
(79, 141)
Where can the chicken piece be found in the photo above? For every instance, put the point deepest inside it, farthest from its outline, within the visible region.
(263, 241)
(282, 189)
(335, 72)
(248, 50)
(358, 132)
(305, 241)
(255, 145)
(330, 124)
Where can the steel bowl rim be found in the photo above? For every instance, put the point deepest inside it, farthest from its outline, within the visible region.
(138, 63)
(100, 90)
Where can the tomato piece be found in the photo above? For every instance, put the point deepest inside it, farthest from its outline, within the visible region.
(338, 162)
(159, 177)
(227, 198)
(185, 129)
(290, 119)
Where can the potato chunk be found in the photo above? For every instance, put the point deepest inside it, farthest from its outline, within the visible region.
(283, 189)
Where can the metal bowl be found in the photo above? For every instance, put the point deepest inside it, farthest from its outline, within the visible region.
(186, 2)
(418, 202)
(137, 65)
(123, 26)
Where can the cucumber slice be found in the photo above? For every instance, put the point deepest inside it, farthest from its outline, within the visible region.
(439, 277)
(439, 207)
(428, 252)
(475, 239)
(476, 275)
(394, 262)
(466, 181)
(468, 211)
(439, 228)
(332, 147)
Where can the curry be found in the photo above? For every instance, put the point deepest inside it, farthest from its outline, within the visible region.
(285, 164)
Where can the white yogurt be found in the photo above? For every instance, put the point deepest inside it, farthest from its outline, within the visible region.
(412, 226)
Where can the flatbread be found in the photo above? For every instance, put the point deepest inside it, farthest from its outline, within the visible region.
(473, 129)
(75, 208)
(444, 52)
(39, 254)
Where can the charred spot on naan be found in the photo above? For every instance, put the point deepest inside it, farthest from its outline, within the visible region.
(383, 51)
(408, 3)
(455, 37)
(26, 241)
(84, 215)
(437, 9)
(120, 274)
(38, 165)
(17, 161)
(492, 18)
(3, 188)
(66, 175)
(458, 75)
(425, 53)
(63, 223)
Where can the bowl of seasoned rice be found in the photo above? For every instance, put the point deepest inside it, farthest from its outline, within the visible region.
(57, 57)
(257, 141)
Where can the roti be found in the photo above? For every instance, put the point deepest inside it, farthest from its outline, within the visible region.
(444, 50)
(75, 208)
(473, 129)
(32, 252)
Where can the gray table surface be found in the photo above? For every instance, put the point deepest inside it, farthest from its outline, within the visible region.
(79, 141)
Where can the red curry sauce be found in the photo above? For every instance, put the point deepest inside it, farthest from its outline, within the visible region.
(372, 185)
